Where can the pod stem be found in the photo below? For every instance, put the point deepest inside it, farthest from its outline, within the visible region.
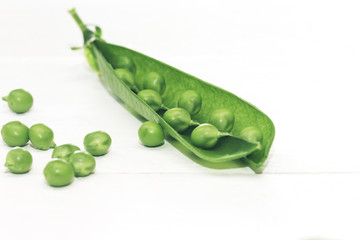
(194, 123)
(77, 19)
(53, 145)
(135, 88)
(5, 98)
(163, 107)
(224, 134)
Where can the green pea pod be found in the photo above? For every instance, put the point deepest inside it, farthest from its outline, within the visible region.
(230, 150)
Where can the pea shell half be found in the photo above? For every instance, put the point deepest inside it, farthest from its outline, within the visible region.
(64, 151)
(228, 149)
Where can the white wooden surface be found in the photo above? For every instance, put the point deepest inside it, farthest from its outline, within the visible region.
(296, 61)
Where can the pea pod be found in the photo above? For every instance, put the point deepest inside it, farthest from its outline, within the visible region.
(229, 148)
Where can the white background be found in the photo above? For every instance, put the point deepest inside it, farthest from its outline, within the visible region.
(298, 61)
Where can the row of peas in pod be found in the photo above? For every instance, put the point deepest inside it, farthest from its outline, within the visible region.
(150, 89)
(68, 161)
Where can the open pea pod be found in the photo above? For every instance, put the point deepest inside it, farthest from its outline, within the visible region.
(229, 148)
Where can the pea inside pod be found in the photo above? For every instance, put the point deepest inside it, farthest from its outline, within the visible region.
(154, 81)
(126, 76)
(206, 136)
(179, 119)
(222, 119)
(251, 134)
(191, 101)
(91, 59)
(152, 98)
(125, 63)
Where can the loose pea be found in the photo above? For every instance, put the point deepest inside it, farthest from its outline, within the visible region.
(124, 62)
(152, 98)
(178, 118)
(154, 81)
(83, 163)
(64, 151)
(41, 137)
(126, 76)
(15, 134)
(19, 100)
(59, 173)
(222, 119)
(190, 101)
(151, 134)
(97, 143)
(18, 160)
(205, 136)
(251, 134)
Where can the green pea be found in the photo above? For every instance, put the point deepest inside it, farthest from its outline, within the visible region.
(190, 101)
(64, 151)
(124, 62)
(257, 154)
(152, 98)
(205, 136)
(179, 119)
(126, 76)
(83, 163)
(251, 134)
(15, 134)
(41, 137)
(59, 173)
(151, 134)
(19, 100)
(154, 81)
(91, 59)
(222, 119)
(18, 160)
(97, 143)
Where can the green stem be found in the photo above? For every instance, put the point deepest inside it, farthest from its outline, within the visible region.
(5, 98)
(53, 145)
(77, 19)
(224, 134)
(194, 123)
(163, 107)
(135, 88)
